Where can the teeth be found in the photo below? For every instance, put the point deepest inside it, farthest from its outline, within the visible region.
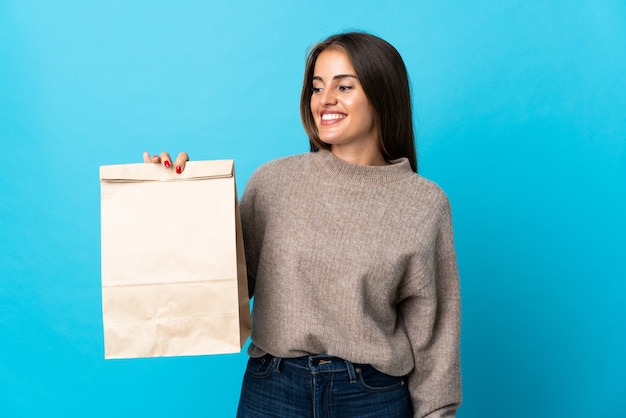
(331, 116)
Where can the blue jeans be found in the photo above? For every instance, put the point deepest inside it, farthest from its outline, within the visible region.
(320, 386)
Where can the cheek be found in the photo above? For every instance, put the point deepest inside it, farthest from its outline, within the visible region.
(371, 117)
(366, 114)
(314, 106)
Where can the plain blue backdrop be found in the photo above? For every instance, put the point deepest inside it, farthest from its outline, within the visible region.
(521, 117)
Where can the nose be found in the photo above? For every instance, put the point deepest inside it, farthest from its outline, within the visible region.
(328, 98)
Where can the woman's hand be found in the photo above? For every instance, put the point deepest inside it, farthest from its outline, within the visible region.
(164, 158)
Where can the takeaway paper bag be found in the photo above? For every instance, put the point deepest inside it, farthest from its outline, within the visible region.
(173, 270)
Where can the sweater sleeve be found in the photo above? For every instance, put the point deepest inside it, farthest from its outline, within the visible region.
(430, 313)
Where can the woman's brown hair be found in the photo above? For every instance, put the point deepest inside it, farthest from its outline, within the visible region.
(382, 73)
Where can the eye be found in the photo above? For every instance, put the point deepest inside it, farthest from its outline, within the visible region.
(316, 90)
(344, 88)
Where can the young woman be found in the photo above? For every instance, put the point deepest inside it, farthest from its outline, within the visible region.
(350, 254)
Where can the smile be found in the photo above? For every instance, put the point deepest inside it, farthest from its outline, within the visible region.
(332, 116)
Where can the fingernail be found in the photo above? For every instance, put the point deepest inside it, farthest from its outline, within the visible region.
(155, 156)
(166, 164)
(178, 169)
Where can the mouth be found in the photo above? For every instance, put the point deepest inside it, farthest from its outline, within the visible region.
(332, 116)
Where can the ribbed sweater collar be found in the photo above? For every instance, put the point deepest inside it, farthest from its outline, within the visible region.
(397, 170)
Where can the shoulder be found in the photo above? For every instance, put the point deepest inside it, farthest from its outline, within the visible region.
(280, 165)
(423, 188)
(421, 202)
(275, 173)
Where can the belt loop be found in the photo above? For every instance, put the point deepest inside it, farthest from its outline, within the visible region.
(277, 361)
(351, 371)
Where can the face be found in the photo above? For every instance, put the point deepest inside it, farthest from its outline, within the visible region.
(342, 113)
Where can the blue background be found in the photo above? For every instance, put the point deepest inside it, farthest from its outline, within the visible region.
(521, 117)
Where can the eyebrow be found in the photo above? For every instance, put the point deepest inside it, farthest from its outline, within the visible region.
(337, 77)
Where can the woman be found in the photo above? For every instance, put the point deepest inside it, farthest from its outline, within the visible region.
(350, 254)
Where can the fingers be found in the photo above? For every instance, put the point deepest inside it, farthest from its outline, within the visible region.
(165, 159)
(181, 160)
(154, 159)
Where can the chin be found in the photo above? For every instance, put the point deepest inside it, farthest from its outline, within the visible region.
(330, 140)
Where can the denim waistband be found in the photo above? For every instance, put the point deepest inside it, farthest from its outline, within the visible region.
(319, 363)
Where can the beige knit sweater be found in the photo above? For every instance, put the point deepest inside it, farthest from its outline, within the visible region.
(356, 262)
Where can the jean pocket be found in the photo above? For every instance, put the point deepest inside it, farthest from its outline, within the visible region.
(373, 380)
(261, 367)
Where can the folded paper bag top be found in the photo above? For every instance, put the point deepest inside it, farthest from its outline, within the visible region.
(173, 268)
(194, 170)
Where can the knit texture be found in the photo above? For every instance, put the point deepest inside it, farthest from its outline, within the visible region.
(356, 262)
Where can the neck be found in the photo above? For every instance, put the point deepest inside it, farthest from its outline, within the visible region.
(359, 156)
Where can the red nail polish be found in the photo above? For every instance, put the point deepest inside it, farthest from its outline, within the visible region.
(166, 164)
(178, 169)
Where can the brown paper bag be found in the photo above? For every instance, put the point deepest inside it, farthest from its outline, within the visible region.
(173, 270)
